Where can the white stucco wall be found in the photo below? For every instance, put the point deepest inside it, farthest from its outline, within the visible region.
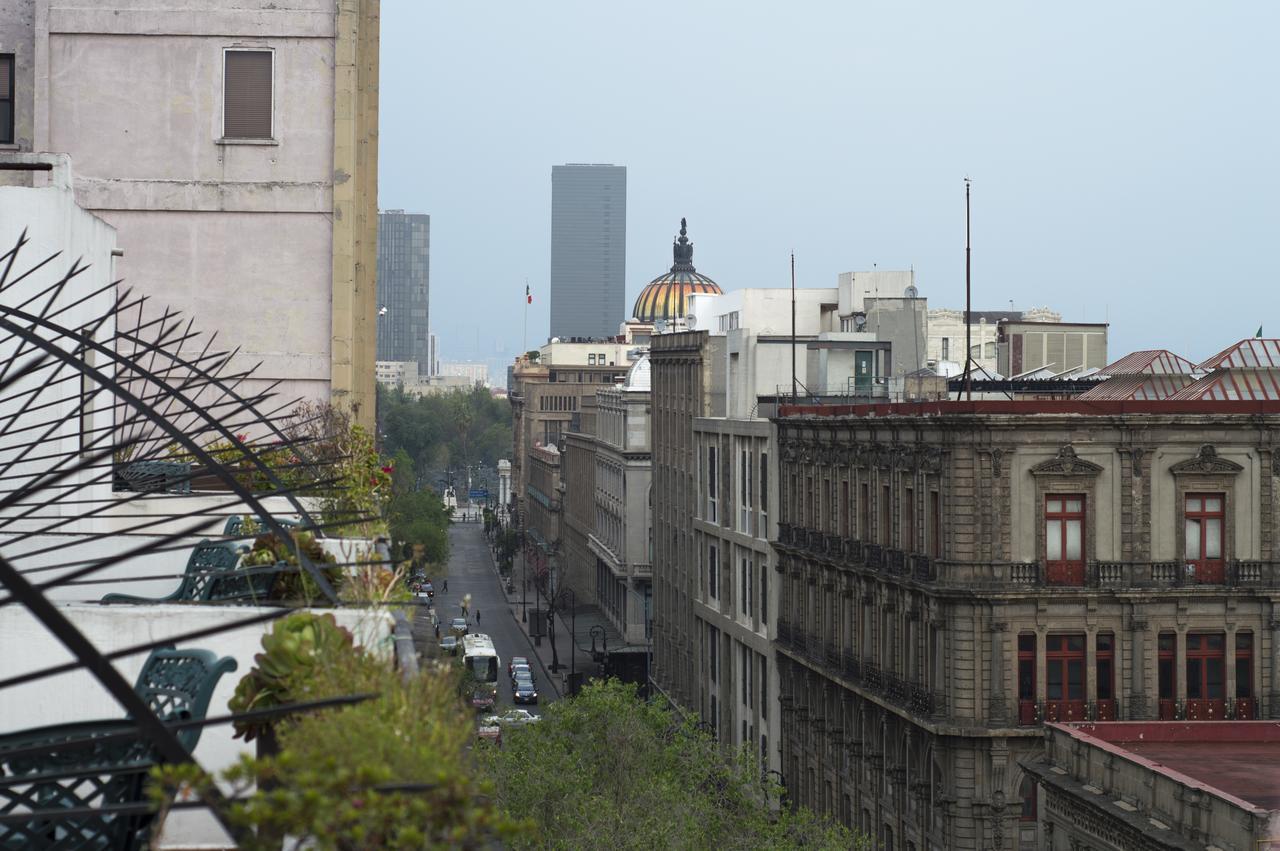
(76, 696)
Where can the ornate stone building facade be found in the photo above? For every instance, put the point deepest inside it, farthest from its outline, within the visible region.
(685, 370)
(953, 574)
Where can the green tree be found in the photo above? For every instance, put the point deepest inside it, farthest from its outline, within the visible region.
(456, 428)
(418, 518)
(608, 770)
(392, 771)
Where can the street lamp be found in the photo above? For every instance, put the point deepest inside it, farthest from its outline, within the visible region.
(598, 656)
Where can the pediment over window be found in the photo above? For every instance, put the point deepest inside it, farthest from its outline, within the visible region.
(1206, 462)
(1065, 463)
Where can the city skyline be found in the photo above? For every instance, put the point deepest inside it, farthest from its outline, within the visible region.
(1107, 165)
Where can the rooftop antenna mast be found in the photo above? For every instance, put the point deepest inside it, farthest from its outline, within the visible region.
(968, 300)
(794, 394)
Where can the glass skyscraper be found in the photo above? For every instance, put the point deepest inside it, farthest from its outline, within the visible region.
(588, 250)
(404, 287)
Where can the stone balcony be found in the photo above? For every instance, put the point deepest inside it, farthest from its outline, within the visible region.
(851, 554)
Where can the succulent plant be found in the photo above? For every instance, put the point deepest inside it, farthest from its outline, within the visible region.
(292, 650)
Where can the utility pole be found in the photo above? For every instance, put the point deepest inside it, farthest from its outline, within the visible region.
(794, 394)
(968, 300)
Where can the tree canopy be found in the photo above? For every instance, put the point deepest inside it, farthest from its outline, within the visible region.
(445, 431)
(608, 770)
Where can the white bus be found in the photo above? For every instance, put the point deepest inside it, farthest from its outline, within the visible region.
(482, 663)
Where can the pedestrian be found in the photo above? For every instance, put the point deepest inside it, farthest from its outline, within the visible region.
(437, 630)
(477, 616)
(446, 586)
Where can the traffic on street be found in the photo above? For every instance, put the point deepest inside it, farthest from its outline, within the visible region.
(470, 597)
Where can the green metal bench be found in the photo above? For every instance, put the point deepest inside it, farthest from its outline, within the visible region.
(76, 769)
(213, 575)
(235, 525)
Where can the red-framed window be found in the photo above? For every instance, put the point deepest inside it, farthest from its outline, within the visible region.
(1027, 678)
(1104, 660)
(1167, 676)
(1064, 524)
(1246, 704)
(1064, 658)
(1203, 527)
(1206, 672)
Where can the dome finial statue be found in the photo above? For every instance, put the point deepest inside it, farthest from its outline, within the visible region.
(683, 251)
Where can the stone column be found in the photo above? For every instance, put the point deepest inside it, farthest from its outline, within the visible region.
(1137, 671)
(1273, 688)
(998, 703)
(1229, 662)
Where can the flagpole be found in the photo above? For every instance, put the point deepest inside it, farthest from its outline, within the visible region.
(524, 339)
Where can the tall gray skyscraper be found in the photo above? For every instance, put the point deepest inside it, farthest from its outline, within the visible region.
(588, 249)
(404, 287)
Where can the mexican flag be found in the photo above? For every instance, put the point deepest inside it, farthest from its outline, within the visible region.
(529, 299)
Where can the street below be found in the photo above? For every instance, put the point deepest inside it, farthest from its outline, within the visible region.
(472, 572)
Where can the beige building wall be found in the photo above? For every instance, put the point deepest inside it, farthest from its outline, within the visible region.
(271, 242)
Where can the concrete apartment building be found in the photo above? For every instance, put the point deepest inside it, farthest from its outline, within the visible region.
(888, 305)
(1055, 347)
(545, 397)
(588, 249)
(619, 539)
(715, 481)
(238, 165)
(404, 289)
(955, 574)
(947, 330)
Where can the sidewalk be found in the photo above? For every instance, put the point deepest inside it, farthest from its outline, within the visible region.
(581, 659)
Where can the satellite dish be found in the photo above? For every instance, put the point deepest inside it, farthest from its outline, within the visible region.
(911, 292)
(859, 321)
(555, 339)
(691, 321)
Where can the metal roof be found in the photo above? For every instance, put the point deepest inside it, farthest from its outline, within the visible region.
(1139, 387)
(1253, 353)
(1150, 362)
(1253, 385)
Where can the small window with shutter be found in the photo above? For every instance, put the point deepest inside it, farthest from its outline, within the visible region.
(246, 94)
(6, 98)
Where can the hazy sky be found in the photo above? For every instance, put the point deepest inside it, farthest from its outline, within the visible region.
(1123, 155)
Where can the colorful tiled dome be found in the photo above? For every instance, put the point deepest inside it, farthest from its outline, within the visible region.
(664, 296)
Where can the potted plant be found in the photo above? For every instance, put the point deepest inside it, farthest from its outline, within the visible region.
(282, 672)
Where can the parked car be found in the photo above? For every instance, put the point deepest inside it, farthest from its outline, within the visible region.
(483, 698)
(524, 692)
(449, 644)
(515, 660)
(512, 717)
(458, 626)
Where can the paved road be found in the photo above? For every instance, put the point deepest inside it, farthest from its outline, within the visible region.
(471, 572)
